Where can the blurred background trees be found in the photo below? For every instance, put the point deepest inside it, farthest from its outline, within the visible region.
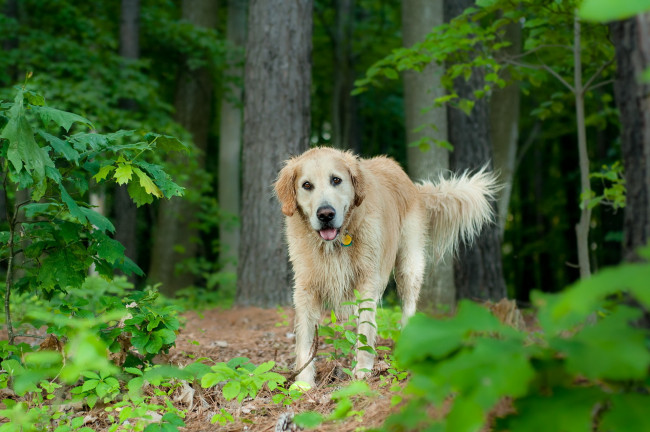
(177, 67)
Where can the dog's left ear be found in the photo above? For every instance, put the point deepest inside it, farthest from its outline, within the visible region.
(285, 189)
(357, 181)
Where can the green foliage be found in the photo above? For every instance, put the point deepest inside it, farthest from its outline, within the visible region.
(242, 378)
(63, 236)
(570, 375)
(60, 237)
(613, 186)
(607, 10)
(344, 398)
(343, 336)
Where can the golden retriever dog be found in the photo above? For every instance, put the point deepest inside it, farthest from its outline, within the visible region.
(351, 221)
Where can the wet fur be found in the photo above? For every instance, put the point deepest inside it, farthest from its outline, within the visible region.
(390, 220)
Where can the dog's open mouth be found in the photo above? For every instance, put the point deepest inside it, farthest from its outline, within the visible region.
(328, 234)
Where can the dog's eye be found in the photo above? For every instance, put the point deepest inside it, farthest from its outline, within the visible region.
(307, 186)
(336, 181)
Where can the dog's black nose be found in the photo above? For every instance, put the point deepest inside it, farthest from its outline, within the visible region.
(325, 213)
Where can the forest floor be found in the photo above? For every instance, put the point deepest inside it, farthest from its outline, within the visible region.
(262, 335)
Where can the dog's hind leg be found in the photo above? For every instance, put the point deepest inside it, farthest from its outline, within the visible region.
(410, 264)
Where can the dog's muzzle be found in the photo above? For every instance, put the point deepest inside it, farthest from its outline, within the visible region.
(325, 215)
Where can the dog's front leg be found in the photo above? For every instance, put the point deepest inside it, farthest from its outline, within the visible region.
(367, 328)
(307, 316)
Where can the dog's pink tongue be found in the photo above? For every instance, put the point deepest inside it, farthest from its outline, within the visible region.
(328, 234)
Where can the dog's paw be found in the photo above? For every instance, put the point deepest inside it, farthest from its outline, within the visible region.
(306, 379)
(361, 373)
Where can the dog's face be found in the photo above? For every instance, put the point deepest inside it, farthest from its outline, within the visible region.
(324, 185)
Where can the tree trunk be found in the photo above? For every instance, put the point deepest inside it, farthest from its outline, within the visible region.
(632, 40)
(124, 209)
(420, 90)
(477, 269)
(230, 136)
(504, 129)
(343, 104)
(176, 236)
(582, 228)
(276, 118)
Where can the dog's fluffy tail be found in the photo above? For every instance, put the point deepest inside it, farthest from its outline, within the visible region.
(458, 208)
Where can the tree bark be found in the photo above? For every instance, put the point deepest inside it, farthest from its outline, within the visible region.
(230, 137)
(176, 236)
(343, 104)
(504, 129)
(277, 120)
(420, 90)
(582, 228)
(632, 41)
(477, 269)
(124, 209)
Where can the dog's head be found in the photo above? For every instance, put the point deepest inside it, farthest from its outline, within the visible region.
(324, 185)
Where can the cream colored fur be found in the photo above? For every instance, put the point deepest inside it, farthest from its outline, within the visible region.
(389, 218)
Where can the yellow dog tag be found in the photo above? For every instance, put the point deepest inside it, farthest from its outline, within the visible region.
(346, 240)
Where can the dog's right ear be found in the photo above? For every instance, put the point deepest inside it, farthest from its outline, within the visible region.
(285, 189)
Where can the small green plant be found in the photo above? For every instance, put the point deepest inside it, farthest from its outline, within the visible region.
(242, 379)
(283, 316)
(343, 336)
(96, 387)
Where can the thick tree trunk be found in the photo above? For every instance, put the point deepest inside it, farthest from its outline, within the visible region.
(632, 40)
(124, 208)
(343, 104)
(176, 236)
(477, 269)
(504, 129)
(230, 137)
(420, 90)
(276, 119)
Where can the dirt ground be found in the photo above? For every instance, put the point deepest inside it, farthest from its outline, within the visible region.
(263, 335)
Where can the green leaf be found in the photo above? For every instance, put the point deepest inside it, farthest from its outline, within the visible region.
(628, 412)
(23, 150)
(98, 220)
(308, 419)
(103, 173)
(610, 349)
(162, 179)
(63, 119)
(173, 419)
(609, 10)
(155, 344)
(166, 143)
(572, 411)
(264, 367)
(148, 185)
(231, 390)
(123, 173)
(61, 147)
(134, 371)
(167, 336)
(138, 194)
(107, 248)
(89, 385)
(72, 205)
